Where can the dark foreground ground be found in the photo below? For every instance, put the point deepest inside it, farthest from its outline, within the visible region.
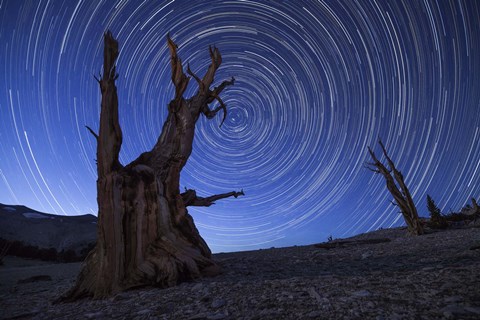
(434, 276)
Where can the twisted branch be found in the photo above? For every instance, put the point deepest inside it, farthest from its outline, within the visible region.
(179, 79)
(190, 198)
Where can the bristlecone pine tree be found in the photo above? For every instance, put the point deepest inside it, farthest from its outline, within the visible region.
(145, 234)
(402, 196)
(437, 220)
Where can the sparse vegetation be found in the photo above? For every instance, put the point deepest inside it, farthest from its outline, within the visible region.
(437, 220)
(465, 216)
(458, 217)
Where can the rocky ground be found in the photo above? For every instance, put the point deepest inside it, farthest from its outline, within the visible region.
(380, 275)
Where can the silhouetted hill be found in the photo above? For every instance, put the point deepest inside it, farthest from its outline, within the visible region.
(40, 235)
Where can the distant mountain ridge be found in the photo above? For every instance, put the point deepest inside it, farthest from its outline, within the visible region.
(29, 228)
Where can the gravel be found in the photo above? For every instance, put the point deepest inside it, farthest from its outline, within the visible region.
(434, 276)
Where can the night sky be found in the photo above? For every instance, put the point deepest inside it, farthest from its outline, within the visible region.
(316, 83)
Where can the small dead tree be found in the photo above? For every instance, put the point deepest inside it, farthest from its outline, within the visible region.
(145, 235)
(397, 187)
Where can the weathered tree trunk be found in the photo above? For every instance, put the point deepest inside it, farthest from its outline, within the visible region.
(145, 234)
(402, 196)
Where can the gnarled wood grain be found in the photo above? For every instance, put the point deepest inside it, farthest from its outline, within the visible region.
(145, 234)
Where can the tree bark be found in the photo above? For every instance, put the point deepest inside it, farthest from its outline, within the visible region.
(402, 196)
(145, 234)
(190, 198)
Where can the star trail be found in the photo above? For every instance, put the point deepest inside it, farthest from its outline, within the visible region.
(316, 83)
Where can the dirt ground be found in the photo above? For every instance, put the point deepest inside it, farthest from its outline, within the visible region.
(380, 275)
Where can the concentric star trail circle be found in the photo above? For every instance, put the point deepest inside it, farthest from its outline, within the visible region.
(316, 82)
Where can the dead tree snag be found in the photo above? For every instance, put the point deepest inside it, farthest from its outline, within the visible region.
(145, 234)
(397, 187)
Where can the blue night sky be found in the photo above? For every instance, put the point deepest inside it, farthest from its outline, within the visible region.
(316, 83)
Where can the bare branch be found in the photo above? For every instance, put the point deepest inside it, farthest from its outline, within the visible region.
(390, 162)
(217, 90)
(372, 154)
(216, 58)
(402, 196)
(222, 106)
(201, 85)
(371, 167)
(205, 96)
(110, 55)
(110, 134)
(377, 164)
(190, 198)
(179, 79)
(92, 132)
(212, 113)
